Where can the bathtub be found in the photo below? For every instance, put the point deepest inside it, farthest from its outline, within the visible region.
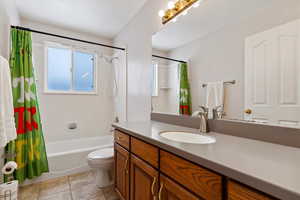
(69, 157)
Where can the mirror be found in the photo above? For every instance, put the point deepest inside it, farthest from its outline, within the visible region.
(240, 59)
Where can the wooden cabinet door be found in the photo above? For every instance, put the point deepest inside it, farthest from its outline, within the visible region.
(200, 181)
(143, 180)
(170, 190)
(122, 172)
(237, 191)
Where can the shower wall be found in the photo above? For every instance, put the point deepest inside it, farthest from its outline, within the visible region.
(167, 99)
(92, 113)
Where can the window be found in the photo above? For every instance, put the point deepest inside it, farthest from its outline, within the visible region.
(155, 80)
(70, 71)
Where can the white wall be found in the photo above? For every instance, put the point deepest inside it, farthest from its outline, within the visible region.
(137, 36)
(220, 55)
(92, 113)
(8, 16)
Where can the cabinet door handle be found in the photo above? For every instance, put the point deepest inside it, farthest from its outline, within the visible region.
(126, 166)
(160, 191)
(153, 187)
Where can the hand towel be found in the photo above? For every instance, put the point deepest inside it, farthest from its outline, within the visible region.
(7, 121)
(214, 96)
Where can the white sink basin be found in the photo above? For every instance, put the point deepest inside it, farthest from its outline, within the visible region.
(186, 137)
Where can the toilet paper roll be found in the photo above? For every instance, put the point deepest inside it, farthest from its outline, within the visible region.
(9, 190)
(9, 167)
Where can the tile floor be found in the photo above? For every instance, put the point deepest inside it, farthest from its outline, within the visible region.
(75, 187)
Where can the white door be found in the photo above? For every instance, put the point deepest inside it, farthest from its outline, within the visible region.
(272, 75)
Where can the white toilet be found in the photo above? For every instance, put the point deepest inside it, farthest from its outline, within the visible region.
(102, 161)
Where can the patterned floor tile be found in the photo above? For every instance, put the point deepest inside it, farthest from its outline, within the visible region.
(28, 192)
(54, 186)
(110, 194)
(80, 186)
(57, 196)
(87, 177)
(87, 192)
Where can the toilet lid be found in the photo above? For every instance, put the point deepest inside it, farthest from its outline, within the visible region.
(105, 153)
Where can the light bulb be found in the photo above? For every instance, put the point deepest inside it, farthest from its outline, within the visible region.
(196, 5)
(161, 13)
(171, 5)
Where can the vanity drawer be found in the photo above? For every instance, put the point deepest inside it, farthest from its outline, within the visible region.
(122, 139)
(202, 182)
(145, 151)
(237, 191)
(171, 190)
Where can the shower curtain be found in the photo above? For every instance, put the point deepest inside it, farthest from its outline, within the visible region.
(28, 150)
(184, 91)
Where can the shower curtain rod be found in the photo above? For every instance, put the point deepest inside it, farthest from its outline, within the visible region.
(68, 38)
(171, 59)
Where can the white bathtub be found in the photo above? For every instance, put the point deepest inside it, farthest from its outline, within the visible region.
(69, 157)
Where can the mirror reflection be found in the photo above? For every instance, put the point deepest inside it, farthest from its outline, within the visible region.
(239, 62)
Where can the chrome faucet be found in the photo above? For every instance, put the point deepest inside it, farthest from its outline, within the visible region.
(218, 112)
(204, 128)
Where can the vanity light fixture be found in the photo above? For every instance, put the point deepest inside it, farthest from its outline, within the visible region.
(161, 13)
(176, 8)
(171, 5)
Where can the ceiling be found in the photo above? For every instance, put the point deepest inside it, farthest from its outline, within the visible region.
(209, 17)
(99, 17)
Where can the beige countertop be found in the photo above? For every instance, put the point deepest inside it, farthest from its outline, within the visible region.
(270, 168)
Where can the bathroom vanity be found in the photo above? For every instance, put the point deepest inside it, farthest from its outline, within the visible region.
(147, 166)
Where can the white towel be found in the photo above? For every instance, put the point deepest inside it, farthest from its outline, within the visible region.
(214, 96)
(7, 122)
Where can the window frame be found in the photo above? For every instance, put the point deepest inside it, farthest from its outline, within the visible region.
(72, 49)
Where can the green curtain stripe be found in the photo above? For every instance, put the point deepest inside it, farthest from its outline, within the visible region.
(184, 93)
(29, 147)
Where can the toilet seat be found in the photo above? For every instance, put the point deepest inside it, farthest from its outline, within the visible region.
(102, 154)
